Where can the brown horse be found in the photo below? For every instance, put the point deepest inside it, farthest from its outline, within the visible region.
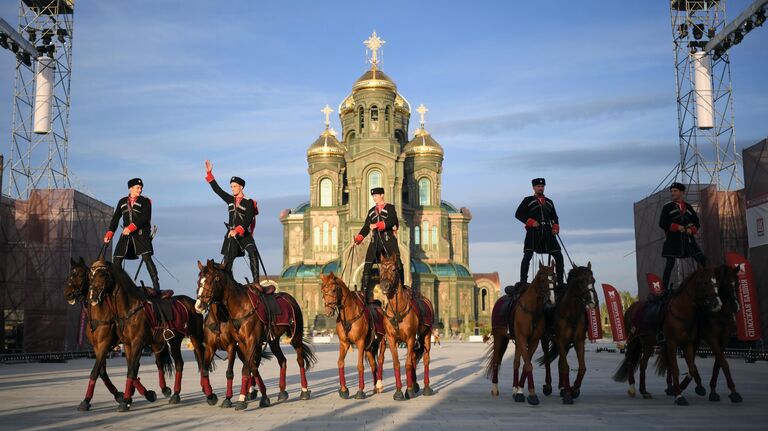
(696, 295)
(355, 327)
(220, 335)
(526, 321)
(113, 290)
(216, 285)
(570, 330)
(407, 320)
(716, 328)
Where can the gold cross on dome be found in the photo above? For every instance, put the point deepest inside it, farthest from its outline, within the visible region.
(327, 111)
(422, 110)
(374, 43)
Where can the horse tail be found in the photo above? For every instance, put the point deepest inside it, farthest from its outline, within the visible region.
(418, 352)
(488, 361)
(166, 362)
(550, 352)
(662, 363)
(266, 355)
(632, 353)
(299, 341)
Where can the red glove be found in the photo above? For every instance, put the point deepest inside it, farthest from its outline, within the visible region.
(240, 231)
(529, 223)
(108, 236)
(209, 176)
(555, 229)
(358, 239)
(674, 227)
(380, 225)
(693, 230)
(132, 227)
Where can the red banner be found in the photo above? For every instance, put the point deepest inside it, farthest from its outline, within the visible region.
(748, 317)
(595, 330)
(615, 313)
(655, 286)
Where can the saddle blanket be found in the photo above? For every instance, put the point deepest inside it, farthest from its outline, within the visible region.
(156, 309)
(284, 318)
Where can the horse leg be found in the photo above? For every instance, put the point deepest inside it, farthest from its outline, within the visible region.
(427, 350)
(108, 382)
(178, 362)
(274, 345)
(161, 375)
(517, 389)
(360, 395)
(564, 373)
(545, 344)
(398, 396)
(380, 367)
(343, 349)
(734, 396)
(671, 352)
(264, 401)
(132, 355)
(98, 365)
(500, 343)
(372, 363)
(579, 347)
(690, 359)
(645, 356)
(409, 363)
(205, 383)
(230, 375)
(300, 359)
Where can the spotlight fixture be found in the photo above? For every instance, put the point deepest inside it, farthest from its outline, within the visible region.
(4, 41)
(748, 26)
(759, 17)
(682, 30)
(23, 57)
(738, 36)
(32, 32)
(60, 34)
(698, 31)
(711, 32)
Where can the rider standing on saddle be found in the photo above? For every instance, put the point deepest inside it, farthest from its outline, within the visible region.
(135, 238)
(242, 220)
(382, 223)
(538, 214)
(680, 223)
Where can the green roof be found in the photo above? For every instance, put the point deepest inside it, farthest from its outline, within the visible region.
(450, 270)
(420, 267)
(300, 270)
(449, 207)
(301, 208)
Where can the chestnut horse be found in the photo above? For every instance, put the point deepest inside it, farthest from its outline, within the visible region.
(570, 330)
(355, 328)
(216, 285)
(405, 323)
(717, 327)
(112, 290)
(696, 295)
(220, 335)
(526, 320)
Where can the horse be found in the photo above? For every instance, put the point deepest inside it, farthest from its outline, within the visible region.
(408, 318)
(112, 289)
(251, 329)
(526, 321)
(716, 327)
(697, 294)
(570, 330)
(220, 335)
(355, 326)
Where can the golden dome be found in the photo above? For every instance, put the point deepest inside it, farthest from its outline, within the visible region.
(326, 145)
(373, 79)
(423, 144)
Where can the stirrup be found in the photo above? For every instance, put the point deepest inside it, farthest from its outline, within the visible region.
(166, 337)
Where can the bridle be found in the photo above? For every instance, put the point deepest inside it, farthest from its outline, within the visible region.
(100, 294)
(337, 306)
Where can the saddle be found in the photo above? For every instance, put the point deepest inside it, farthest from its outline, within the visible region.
(649, 316)
(150, 293)
(503, 312)
(167, 314)
(268, 297)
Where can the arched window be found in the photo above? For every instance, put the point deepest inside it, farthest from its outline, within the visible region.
(425, 187)
(361, 115)
(484, 299)
(374, 113)
(334, 238)
(326, 233)
(386, 119)
(374, 180)
(317, 238)
(425, 234)
(434, 237)
(326, 192)
(416, 235)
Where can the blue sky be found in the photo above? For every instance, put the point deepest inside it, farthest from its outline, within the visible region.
(581, 93)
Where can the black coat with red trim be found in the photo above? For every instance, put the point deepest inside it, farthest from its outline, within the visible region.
(384, 240)
(138, 219)
(242, 217)
(679, 244)
(539, 239)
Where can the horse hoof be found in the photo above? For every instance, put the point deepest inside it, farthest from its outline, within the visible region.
(410, 394)
(647, 396)
(264, 402)
(562, 392)
(534, 400)
(212, 399)
(253, 396)
(669, 392)
(344, 394)
(84, 406)
(175, 399)
(735, 397)
(681, 401)
(166, 392)
(360, 395)
(700, 391)
(123, 407)
(519, 398)
(547, 390)
(428, 392)
(119, 397)
(378, 390)
(151, 396)
(226, 404)
(575, 393)
(283, 395)
(494, 392)
(398, 396)
(304, 395)
(714, 396)
(416, 387)
(240, 405)
(567, 398)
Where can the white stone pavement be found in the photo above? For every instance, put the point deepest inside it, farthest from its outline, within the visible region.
(46, 396)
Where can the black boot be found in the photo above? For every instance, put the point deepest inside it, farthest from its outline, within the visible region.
(365, 284)
(253, 258)
(152, 270)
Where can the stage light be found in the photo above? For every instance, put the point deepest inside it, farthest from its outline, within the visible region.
(711, 32)
(682, 30)
(4, 41)
(23, 57)
(60, 34)
(32, 32)
(738, 36)
(748, 26)
(759, 18)
(698, 31)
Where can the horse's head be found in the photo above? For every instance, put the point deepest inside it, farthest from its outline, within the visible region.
(728, 284)
(101, 281)
(331, 286)
(389, 274)
(581, 282)
(210, 283)
(706, 288)
(77, 282)
(544, 282)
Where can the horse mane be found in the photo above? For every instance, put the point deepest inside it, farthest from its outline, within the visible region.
(122, 279)
(691, 280)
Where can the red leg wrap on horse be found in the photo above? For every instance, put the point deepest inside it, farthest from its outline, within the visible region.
(361, 380)
(206, 384)
(516, 380)
(108, 383)
(128, 389)
(161, 378)
(342, 378)
(89, 391)
(229, 389)
(139, 387)
(244, 385)
(530, 380)
(303, 373)
(252, 383)
(177, 382)
(282, 377)
(409, 378)
(426, 376)
(398, 381)
(380, 371)
(262, 387)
